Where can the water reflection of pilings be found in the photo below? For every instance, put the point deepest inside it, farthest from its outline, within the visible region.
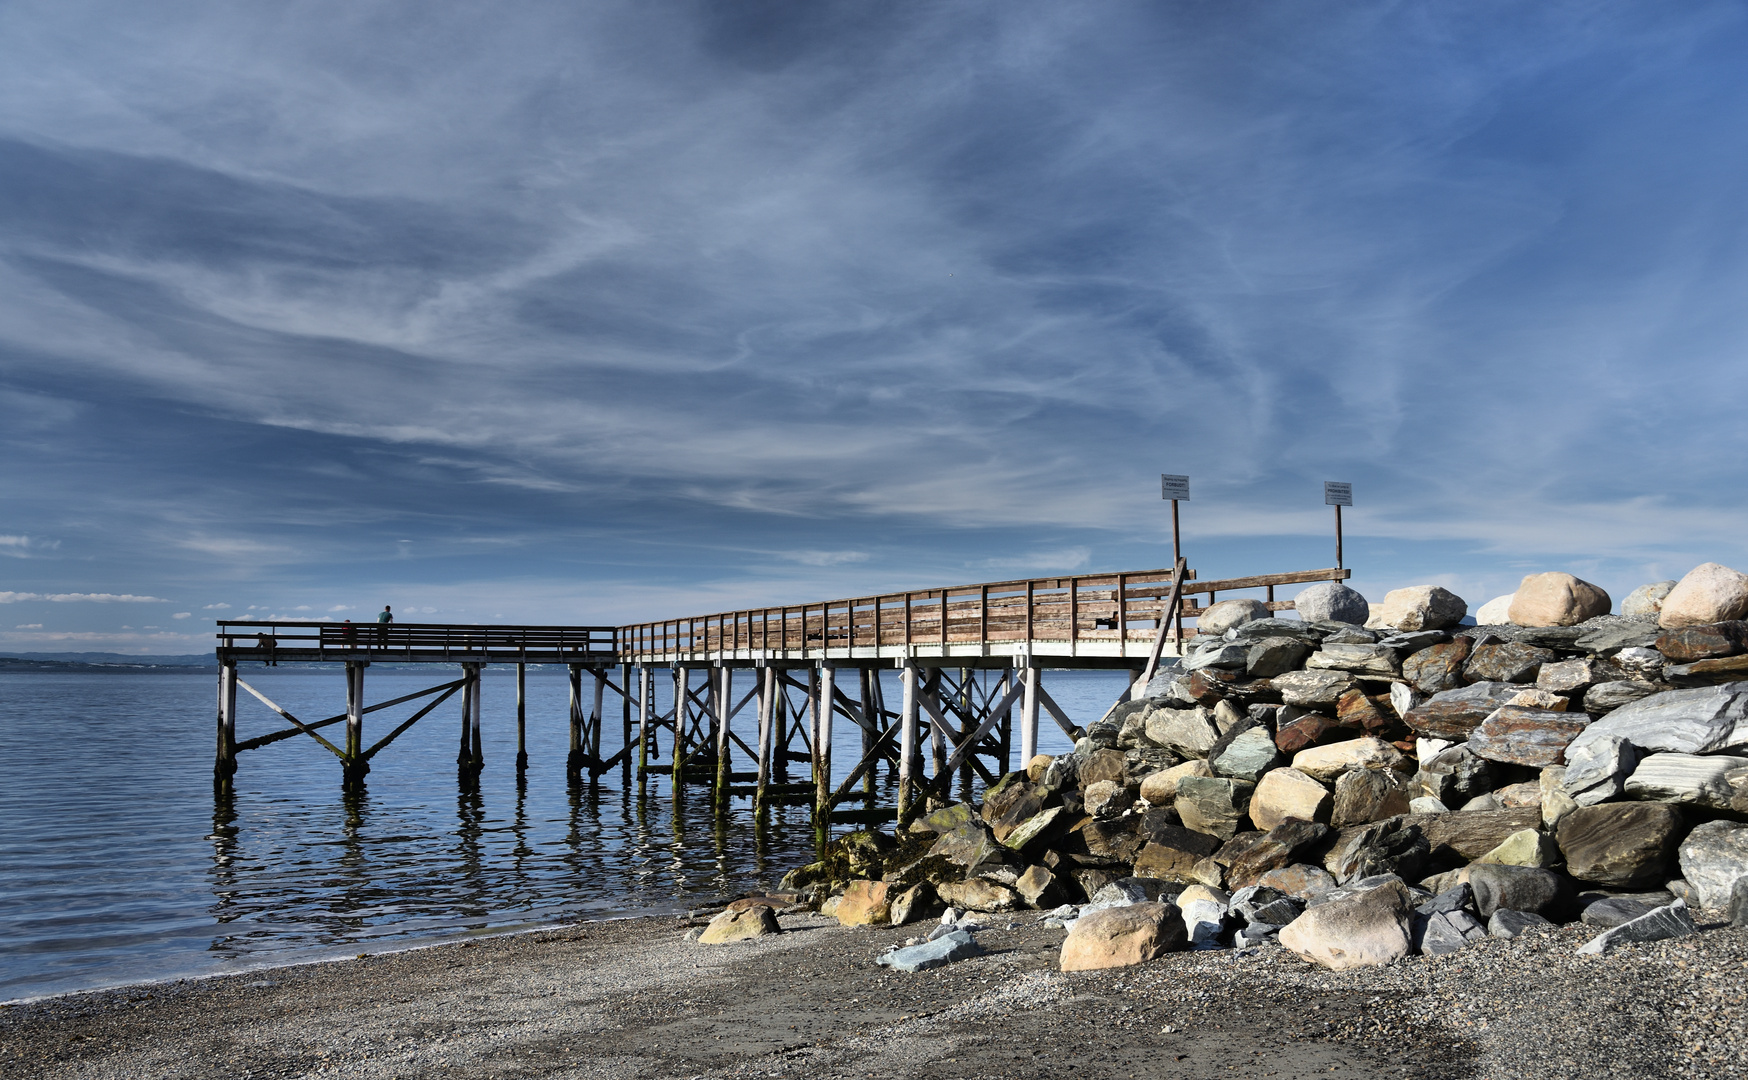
(225, 849)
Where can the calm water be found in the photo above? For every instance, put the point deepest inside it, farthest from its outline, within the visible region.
(117, 865)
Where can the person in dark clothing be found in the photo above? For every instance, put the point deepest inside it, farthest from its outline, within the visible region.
(383, 620)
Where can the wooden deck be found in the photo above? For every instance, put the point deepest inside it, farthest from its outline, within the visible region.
(1096, 620)
(970, 660)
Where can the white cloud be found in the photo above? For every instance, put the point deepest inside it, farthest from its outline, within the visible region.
(84, 597)
(28, 626)
(21, 547)
(215, 607)
(182, 615)
(825, 558)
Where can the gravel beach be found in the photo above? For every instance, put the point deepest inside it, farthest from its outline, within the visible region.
(633, 998)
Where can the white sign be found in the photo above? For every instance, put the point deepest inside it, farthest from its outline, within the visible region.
(1337, 494)
(1174, 487)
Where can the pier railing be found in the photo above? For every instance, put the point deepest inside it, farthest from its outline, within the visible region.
(418, 641)
(1103, 612)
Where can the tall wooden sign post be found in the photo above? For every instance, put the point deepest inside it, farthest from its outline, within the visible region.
(1174, 488)
(1338, 495)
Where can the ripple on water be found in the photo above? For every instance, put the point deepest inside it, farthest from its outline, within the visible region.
(117, 865)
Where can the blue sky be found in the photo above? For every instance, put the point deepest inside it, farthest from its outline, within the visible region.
(579, 313)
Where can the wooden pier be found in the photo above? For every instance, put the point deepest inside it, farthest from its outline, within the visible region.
(969, 658)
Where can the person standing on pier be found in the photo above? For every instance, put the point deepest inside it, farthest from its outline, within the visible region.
(382, 621)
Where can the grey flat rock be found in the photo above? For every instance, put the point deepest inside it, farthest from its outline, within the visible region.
(1507, 924)
(956, 945)
(1702, 720)
(1659, 924)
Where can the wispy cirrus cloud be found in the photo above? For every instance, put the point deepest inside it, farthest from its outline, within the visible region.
(79, 598)
(710, 300)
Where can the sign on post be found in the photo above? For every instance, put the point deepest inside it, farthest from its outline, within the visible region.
(1174, 487)
(1336, 493)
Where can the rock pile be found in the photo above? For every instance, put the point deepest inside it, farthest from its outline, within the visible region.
(1362, 793)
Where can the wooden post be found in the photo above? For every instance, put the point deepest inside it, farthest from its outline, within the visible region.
(782, 734)
(521, 718)
(908, 755)
(598, 720)
(479, 754)
(1006, 727)
(464, 755)
(824, 677)
(724, 703)
(1338, 536)
(573, 765)
(644, 711)
(767, 692)
(353, 766)
(965, 675)
(1029, 716)
(937, 737)
(224, 764)
(625, 722)
(870, 725)
(682, 682)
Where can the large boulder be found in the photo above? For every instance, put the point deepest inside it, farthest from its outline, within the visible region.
(970, 845)
(1288, 793)
(1455, 714)
(1495, 612)
(1280, 847)
(1325, 763)
(1526, 847)
(1189, 733)
(1708, 593)
(1692, 779)
(1572, 676)
(1597, 771)
(1621, 845)
(1122, 936)
(1160, 788)
(914, 904)
(1557, 599)
(1383, 847)
(1518, 888)
(1331, 601)
(1509, 661)
(1422, 607)
(1227, 614)
(1455, 775)
(1275, 656)
(1469, 834)
(1714, 857)
(1244, 754)
(1701, 720)
(1363, 796)
(1365, 660)
(1516, 735)
(1706, 641)
(1213, 805)
(864, 903)
(756, 920)
(1370, 929)
(1440, 667)
(1646, 601)
(978, 894)
(1318, 690)
(1172, 854)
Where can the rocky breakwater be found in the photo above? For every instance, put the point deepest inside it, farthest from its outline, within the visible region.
(1362, 793)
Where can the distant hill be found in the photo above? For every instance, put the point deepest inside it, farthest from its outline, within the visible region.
(113, 663)
(190, 660)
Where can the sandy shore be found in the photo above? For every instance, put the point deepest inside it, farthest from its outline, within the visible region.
(634, 999)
